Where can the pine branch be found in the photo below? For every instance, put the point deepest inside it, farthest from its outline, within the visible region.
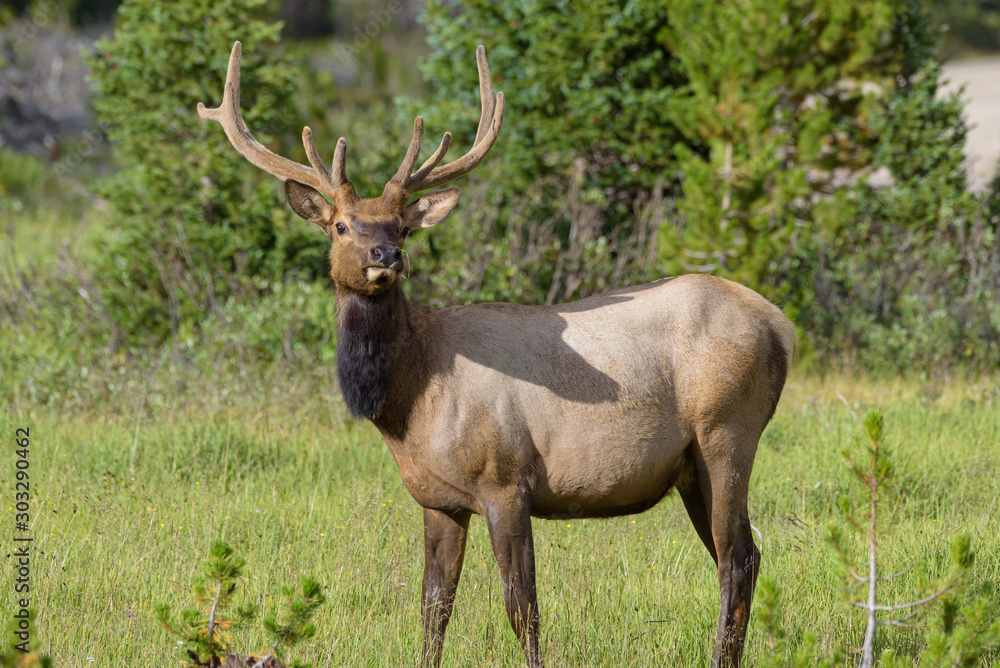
(904, 606)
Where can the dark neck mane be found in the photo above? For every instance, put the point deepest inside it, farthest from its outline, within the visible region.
(373, 348)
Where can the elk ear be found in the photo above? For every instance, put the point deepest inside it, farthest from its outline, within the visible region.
(431, 209)
(309, 204)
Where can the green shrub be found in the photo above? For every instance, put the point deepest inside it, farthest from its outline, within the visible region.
(589, 82)
(195, 225)
(19, 173)
(591, 111)
(760, 123)
(776, 95)
(912, 270)
(206, 630)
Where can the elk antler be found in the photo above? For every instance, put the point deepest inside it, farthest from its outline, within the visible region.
(229, 117)
(430, 175)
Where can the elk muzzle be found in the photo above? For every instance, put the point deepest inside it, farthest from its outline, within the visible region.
(385, 261)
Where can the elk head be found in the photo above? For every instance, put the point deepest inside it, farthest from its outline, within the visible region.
(367, 233)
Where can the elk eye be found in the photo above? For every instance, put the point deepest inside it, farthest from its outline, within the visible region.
(402, 235)
(341, 228)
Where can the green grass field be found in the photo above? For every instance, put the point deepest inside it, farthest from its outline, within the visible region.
(128, 498)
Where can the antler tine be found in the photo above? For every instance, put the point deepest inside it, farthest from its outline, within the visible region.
(313, 155)
(229, 117)
(490, 121)
(339, 175)
(412, 153)
(485, 94)
(418, 176)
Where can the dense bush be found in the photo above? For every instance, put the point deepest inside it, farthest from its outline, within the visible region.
(591, 84)
(592, 111)
(763, 123)
(736, 139)
(909, 274)
(195, 225)
(780, 94)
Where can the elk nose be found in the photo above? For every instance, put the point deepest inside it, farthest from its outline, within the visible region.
(387, 254)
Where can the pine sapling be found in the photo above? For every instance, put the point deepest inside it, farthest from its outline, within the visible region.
(293, 623)
(21, 638)
(207, 630)
(778, 651)
(873, 473)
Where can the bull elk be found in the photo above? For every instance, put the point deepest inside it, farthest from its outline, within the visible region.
(591, 409)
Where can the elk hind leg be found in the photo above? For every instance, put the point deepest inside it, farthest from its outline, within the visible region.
(728, 458)
(689, 486)
(444, 552)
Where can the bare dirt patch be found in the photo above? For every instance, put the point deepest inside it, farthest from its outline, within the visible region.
(981, 78)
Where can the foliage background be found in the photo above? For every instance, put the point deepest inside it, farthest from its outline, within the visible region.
(803, 151)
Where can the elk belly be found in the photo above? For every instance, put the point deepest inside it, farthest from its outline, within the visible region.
(594, 469)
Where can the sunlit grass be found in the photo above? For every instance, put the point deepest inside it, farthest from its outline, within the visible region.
(128, 501)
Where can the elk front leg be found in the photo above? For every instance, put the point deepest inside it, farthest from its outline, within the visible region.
(444, 552)
(509, 525)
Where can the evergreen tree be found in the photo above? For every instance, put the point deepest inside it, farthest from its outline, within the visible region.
(293, 624)
(780, 93)
(912, 266)
(586, 82)
(194, 227)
